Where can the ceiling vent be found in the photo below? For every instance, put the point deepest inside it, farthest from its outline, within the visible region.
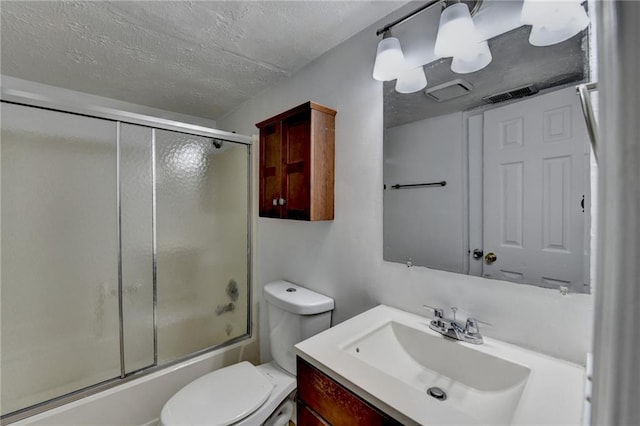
(449, 90)
(520, 92)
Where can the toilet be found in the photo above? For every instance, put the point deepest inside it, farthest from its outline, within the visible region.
(248, 395)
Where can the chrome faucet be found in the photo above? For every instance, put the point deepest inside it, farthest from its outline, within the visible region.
(450, 327)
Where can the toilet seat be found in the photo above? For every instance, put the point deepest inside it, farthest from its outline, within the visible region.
(222, 397)
(282, 384)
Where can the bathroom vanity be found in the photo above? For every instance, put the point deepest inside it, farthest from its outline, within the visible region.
(387, 367)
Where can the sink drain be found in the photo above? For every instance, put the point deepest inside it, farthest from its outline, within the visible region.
(437, 393)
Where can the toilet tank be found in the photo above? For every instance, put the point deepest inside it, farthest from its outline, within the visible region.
(294, 314)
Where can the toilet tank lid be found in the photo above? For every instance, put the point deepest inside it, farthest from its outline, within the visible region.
(295, 299)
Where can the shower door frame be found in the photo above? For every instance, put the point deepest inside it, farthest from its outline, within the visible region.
(35, 100)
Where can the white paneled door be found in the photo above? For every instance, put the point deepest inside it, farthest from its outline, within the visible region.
(536, 157)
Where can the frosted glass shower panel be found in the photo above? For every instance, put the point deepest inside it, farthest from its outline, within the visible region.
(59, 254)
(202, 205)
(136, 207)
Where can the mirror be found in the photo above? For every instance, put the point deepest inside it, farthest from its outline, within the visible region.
(490, 173)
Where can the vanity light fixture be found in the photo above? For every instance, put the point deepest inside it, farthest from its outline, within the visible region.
(389, 58)
(390, 63)
(553, 21)
(411, 81)
(458, 38)
(459, 65)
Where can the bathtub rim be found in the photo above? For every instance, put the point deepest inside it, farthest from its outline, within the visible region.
(88, 394)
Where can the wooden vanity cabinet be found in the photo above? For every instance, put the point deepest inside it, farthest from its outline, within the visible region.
(297, 163)
(322, 401)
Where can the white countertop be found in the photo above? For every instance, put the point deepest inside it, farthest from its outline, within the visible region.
(553, 393)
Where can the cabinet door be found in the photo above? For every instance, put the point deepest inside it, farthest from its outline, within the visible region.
(296, 142)
(335, 404)
(270, 170)
(308, 417)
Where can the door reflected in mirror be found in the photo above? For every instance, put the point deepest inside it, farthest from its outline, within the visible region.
(512, 146)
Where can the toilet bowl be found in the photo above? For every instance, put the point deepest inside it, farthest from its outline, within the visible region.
(241, 394)
(247, 395)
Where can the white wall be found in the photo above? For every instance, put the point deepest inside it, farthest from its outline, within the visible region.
(616, 388)
(428, 150)
(343, 258)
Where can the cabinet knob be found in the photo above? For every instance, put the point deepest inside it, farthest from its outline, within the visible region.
(274, 201)
(282, 201)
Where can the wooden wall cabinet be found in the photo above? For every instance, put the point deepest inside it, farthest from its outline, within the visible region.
(322, 401)
(297, 163)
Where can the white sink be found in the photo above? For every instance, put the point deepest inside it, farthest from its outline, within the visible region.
(391, 358)
(483, 386)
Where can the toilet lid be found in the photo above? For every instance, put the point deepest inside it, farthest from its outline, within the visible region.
(221, 397)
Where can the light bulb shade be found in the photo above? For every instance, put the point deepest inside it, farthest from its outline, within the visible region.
(545, 12)
(553, 21)
(411, 81)
(463, 66)
(389, 60)
(457, 34)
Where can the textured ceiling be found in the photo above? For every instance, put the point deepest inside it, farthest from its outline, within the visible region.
(199, 58)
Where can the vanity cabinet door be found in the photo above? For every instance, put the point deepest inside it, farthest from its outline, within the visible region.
(297, 150)
(307, 417)
(320, 396)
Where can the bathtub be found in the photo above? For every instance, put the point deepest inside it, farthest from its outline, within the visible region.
(139, 401)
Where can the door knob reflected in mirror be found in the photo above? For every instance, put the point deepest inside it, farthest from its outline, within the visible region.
(491, 257)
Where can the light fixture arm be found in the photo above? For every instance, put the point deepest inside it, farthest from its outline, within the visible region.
(443, 3)
(408, 16)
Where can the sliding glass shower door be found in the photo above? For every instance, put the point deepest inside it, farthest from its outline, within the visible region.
(123, 247)
(59, 254)
(201, 203)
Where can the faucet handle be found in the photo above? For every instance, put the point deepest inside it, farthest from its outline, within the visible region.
(437, 312)
(471, 326)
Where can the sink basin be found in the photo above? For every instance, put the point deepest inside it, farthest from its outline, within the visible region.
(391, 359)
(483, 386)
